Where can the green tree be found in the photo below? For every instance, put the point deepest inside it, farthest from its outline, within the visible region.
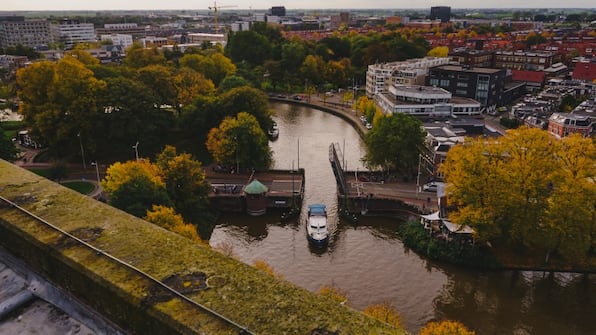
(138, 195)
(8, 150)
(187, 188)
(394, 142)
(248, 46)
(131, 114)
(246, 99)
(313, 69)
(240, 141)
(160, 80)
(135, 186)
(231, 82)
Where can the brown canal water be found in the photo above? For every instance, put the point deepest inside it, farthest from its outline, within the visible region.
(370, 264)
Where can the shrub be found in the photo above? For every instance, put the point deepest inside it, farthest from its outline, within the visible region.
(446, 327)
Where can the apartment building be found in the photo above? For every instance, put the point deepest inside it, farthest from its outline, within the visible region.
(71, 32)
(425, 102)
(481, 84)
(521, 60)
(123, 40)
(473, 58)
(379, 77)
(562, 125)
(131, 29)
(15, 30)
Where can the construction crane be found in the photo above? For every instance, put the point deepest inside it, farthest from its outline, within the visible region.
(215, 9)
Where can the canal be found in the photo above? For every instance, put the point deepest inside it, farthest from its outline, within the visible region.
(370, 265)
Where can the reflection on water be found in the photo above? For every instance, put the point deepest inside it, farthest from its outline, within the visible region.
(370, 264)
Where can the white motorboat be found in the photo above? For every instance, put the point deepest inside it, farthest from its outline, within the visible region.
(316, 225)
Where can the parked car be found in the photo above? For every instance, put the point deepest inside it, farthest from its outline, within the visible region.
(368, 126)
(363, 119)
(432, 186)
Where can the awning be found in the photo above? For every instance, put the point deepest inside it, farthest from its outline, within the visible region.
(457, 229)
(431, 217)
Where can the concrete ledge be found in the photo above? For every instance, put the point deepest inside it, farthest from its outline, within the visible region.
(261, 303)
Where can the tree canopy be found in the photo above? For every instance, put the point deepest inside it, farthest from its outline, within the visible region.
(394, 143)
(526, 189)
(240, 141)
(174, 180)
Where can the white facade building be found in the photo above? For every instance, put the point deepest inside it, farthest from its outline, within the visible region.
(379, 77)
(425, 101)
(71, 32)
(123, 40)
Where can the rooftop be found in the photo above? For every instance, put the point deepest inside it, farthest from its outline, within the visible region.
(464, 68)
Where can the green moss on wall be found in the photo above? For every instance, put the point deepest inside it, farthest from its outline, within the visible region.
(260, 302)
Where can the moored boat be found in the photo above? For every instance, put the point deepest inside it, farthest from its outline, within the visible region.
(316, 225)
(274, 131)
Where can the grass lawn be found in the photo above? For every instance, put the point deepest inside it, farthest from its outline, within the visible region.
(83, 187)
(43, 172)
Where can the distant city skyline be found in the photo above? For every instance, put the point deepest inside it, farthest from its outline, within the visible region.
(37, 5)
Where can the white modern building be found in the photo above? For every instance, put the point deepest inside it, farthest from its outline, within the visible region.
(379, 77)
(123, 40)
(210, 38)
(71, 32)
(425, 101)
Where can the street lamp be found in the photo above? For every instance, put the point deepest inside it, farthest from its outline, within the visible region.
(97, 172)
(136, 147)
(418, 176)
(237, 162)
(82, 151)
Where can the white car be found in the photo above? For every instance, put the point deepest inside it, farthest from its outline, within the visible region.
(433, 186)
(368, 126)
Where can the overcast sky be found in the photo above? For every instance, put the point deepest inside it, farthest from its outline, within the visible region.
(10, 5)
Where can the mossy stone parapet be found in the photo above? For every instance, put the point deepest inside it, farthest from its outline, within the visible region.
(260, 302)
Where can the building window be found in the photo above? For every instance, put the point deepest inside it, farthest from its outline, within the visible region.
(444, 82)
(434, 82)
(462, 84)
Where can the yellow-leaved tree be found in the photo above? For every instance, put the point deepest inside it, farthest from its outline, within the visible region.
(441, 51)
(384, 312)
(527, 189)
(446, 327)
(167, 218)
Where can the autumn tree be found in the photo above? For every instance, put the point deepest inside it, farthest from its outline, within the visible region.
(59, 102)
(447, 327)
(138, 57)
(441, 51)
(526, 189)
(135, 186)
(167, 218)
(190, 84)
(394, 143)
(333, 293)
(384, 312)
(160, 80)
(240, 141)
(187, 188)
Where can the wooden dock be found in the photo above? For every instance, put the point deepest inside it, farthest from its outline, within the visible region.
(285, 188)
